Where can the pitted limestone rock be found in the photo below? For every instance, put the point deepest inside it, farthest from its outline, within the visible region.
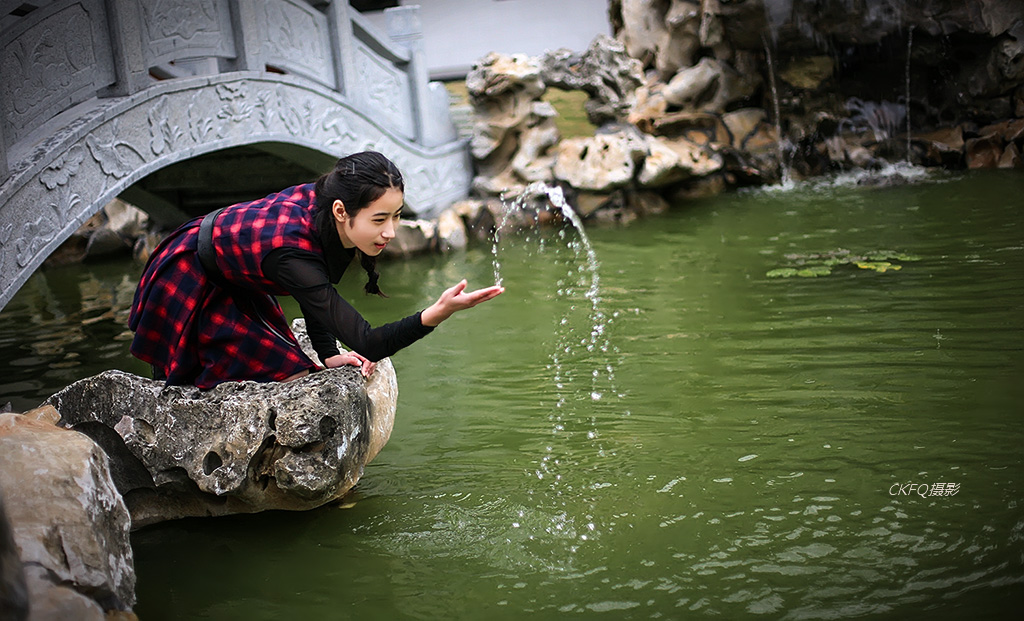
(68, 524)
(241, 447)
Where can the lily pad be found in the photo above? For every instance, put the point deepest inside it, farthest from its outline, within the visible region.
(814, 271)
(878, 266)
(782, 272)
(811, 265)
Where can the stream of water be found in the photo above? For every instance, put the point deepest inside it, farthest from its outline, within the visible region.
(648, 425)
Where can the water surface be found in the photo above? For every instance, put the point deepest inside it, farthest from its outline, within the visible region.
(724, 444)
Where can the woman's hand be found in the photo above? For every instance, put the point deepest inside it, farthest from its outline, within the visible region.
(351, 357)
(456, 299)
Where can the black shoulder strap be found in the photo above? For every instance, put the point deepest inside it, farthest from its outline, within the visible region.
(207, 255)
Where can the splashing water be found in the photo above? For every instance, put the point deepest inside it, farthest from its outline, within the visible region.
(578, 355)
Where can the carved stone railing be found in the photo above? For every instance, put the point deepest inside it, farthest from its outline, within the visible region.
(97, 94)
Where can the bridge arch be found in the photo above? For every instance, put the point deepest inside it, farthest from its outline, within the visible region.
(75, 160)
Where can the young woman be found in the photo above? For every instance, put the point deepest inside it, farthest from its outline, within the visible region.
(205, 311)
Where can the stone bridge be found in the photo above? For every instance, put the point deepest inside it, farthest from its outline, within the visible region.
(179, 106)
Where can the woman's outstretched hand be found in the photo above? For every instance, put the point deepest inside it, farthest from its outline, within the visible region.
(456, 299)
(354, 359)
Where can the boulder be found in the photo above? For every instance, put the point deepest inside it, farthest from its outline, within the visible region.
(742, 124)
(68, 521)
(605, 72)
(984, 152)
(599, 163)
(710, 85)
(502, 90)
(1010, 158)
(681, 40)
(672, 160)
(13, 591)
(642, 26)
(240, 447)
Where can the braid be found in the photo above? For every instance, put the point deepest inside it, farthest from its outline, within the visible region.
(369, 264)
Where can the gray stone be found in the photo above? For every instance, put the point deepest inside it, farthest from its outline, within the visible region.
(13, 591)
(69, 522)
(240, 447)
(605, 72)
(672, 160)
(599, 163)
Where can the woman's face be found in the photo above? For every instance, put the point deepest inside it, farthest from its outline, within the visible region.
(373, 226)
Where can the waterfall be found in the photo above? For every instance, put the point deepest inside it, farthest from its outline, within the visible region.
(910, 45)
(783, 166)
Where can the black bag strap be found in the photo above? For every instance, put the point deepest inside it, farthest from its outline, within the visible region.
(208, 259)
(207, 255)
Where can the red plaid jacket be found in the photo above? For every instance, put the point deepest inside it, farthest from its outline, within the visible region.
(195, 332)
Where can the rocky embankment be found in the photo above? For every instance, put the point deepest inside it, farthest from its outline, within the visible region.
(693, 98)
(116, 452)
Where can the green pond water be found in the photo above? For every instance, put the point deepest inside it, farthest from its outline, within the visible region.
(689, 438)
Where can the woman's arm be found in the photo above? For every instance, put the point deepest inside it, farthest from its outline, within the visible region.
(304, 275)
(456, 299)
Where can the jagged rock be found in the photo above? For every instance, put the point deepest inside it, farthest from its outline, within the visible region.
(605, 72)
(502, 89)
(649, 106)
(69, 523)
(942, 147)
(599, 163)
(984, 152)
(742, 123)
(642, 26)
(530, 162)
(672, 160)
(681, 40)
(1010, 158)
(241, 447)
(113, 230)
(709, 86)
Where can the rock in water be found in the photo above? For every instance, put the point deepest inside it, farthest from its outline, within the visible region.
(241, 447)
(67, 520)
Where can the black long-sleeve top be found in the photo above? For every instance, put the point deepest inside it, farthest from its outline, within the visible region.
(309, 278)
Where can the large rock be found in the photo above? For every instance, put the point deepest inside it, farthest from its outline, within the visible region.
(600, 163)
(711, 85)
(68, 520)
(673, 160)
(241, 447)
(13, 592)
(605, 72)
(502, 89)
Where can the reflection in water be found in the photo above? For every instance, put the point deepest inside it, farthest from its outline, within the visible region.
(64, 324)
(743, 469)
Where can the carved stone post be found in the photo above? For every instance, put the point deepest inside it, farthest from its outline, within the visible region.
(404, 27)
(248, 38)
(125, 26)
(342, 44)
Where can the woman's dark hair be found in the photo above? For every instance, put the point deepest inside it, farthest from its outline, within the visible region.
(357, 180)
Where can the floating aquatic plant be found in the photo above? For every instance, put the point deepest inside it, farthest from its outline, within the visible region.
(813, 265)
